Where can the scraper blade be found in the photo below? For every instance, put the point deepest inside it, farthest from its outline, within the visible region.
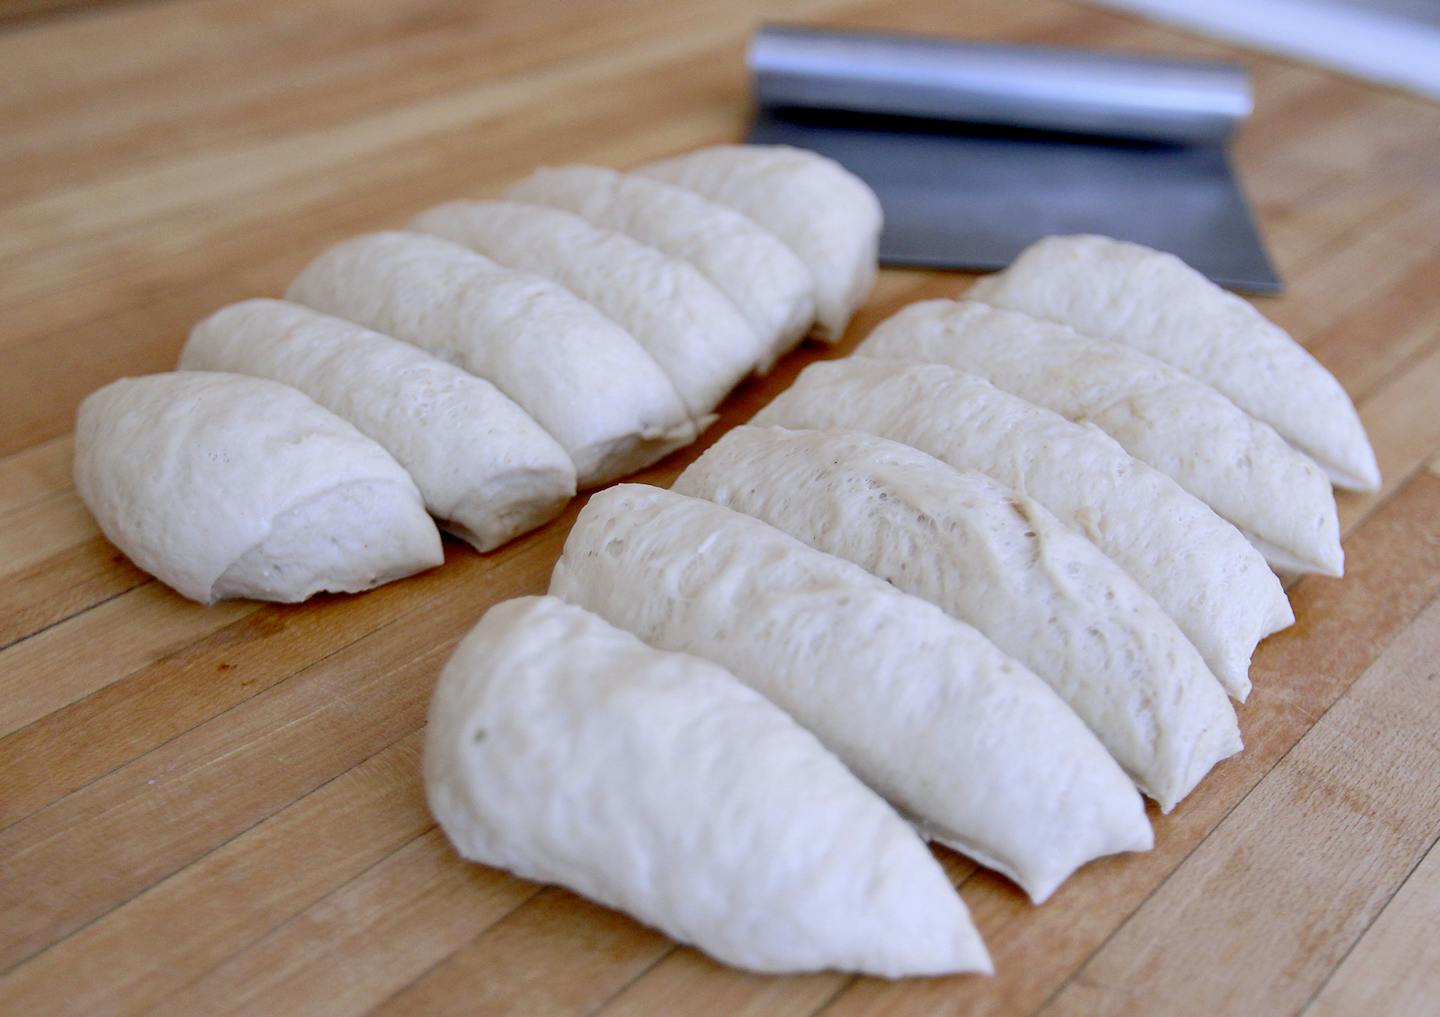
(977, 150)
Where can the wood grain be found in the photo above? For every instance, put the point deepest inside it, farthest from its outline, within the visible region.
(1395, 967)
(219, 811)
(1352, 838)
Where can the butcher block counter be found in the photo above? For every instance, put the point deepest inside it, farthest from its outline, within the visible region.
(208, 810)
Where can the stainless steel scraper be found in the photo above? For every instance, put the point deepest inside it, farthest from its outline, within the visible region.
(977, 149)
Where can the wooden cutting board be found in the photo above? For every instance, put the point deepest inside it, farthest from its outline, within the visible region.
(207, 810)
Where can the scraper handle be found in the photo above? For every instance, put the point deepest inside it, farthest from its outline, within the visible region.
(1041, 88)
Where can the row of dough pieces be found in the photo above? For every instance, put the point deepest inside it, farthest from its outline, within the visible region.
(1034, 654)
(617, 312)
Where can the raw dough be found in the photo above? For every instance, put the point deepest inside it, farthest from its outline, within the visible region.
(1198, 567)
(581, 376)
(762, 277)
(570, 752)
(485, 468)
(1000, 562)
(1162, 416)
(828, 216)
(697, 336)
(225, 486)
(960, 737)
(1163, 307)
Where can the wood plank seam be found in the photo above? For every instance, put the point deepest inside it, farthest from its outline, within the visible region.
(364, 634)
(1380, 651)
(1396, 372)
(399, 989)
(18, 507)
(672, 948)
(180, 734)
(839, 991)
(1079, 966)
(198, 858)
(61, 621)
(515, 550)
(37, 13)
(1370, 510)
(1340, 961)
(339, 888)
(1331, 778)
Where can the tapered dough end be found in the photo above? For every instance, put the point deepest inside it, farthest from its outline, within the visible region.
(1129, 831)
(1282, 617)
(1235, 681)
(917, 924)
(343, 541)
(1155, 301)
(1360, 471)
(1330, 563)
(1320, 551)
(1117, 825)
(600, 465)
(1218, 743)
(518, 502)
(568, 751)
(934, 937)
(1234, 671)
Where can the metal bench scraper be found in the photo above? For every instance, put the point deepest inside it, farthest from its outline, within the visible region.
(977, 149)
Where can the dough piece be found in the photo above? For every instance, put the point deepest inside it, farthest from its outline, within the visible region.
(921, 707)
(1238, 466)
(828, 216)
(762, 277)
(486, 470)
(581, 376)
(697, 336)
(1198, 567)
(224, 486)
(1159, 305)
(570, 752)
(1000, 562)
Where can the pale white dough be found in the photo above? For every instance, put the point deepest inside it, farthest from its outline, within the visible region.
(1159, 414)
(226, 486)
(762, 277)
(1163, 307)
(697, 336)
(924, 709)
(567, 751)
(1002, 563)
(581, 376)
(1198, 567)
(486, 470)
(828, 216)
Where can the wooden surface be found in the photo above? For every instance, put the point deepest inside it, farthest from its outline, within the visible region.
(207, 810)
